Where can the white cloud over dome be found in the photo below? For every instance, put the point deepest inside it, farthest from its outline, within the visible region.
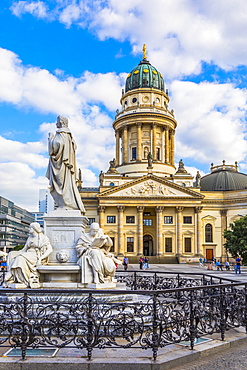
(180, 34)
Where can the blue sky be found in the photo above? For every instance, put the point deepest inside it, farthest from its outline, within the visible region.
(71, 57)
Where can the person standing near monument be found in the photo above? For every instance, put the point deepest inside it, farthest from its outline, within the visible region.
(61, 170)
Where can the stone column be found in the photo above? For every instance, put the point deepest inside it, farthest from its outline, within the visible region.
(139, 141)
(162, 145)
(223, 213)
(154, 140)
(117, 148)
(160, 248)
(172, 147)
(101, 211)
(167, 153)
(179, 211)
(198, 230)
(140, 210)
(120, 230)
(125, 144)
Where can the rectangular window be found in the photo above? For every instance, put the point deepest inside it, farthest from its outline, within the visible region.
(187, 245)
(91, 220)
(111, 219)
(113, 244)
(146, 214)
(168, 245)
(158, 154)
(168, 219)
(130, 245)
(147, 222)
(134, 153)
(130, 219)
(187, 219)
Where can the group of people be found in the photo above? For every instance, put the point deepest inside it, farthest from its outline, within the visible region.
(219, 265)
(144, 263)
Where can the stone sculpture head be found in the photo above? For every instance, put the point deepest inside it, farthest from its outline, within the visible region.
(62, 256)
(94, 229)
(62, 122)
(34, 281)
(35, 228)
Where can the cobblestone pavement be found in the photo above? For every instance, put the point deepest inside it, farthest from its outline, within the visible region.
(228, 359)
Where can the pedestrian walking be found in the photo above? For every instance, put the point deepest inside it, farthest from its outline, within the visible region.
(125, 263)
(146, 263)
(141, 263)
(218, 265)
(200, 262)
(238, 266)
(227, 265)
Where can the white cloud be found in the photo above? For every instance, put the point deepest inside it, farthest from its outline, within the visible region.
(18, 183)
(180, 34)
(211, 121)
(36, 8)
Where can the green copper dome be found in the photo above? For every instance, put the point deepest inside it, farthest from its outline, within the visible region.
(144, 76)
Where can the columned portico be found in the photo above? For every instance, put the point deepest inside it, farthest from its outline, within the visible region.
(154, 140)
(159, 236)
(125, 144)
(179, 211)
(117, 148)
(167, 153)
(101, 211)
(120, 230)
(223, 214)
(198, 230)
(140, 210)
(139, 140)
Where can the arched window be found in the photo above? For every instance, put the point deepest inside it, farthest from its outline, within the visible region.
(208, 233)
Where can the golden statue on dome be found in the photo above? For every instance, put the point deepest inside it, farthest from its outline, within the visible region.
(144, 50)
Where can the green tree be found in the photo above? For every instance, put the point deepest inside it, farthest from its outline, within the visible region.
(236, 238)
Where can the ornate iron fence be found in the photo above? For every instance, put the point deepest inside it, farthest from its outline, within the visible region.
(151, 280)
(87, 319)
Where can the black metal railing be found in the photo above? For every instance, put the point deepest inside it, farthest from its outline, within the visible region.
(87, 319)
(153, 280)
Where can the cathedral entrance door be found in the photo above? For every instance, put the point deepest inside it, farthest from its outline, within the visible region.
(209, 254)
(147, 245)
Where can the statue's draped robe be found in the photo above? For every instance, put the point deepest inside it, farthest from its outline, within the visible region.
(62, 171)
(96, 250)
(22, 263)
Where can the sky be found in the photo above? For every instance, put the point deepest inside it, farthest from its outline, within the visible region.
(71, 57)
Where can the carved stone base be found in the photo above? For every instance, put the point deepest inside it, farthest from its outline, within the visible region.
(59, 276)
(17, 286)
(101, 286)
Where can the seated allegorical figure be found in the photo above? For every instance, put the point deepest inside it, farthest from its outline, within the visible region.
(95, 259)
(22, 265)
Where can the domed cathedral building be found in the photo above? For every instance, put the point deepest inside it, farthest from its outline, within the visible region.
(147, 205)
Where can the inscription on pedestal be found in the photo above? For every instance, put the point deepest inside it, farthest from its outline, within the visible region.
(63, 236)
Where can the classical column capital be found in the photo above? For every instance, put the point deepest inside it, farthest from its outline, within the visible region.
(140, 208)
(198, 209)
(159, 209)
(154, 124)
(179, 209)
(223, 212)
(120, 208)
(101, 209)
(139, 124)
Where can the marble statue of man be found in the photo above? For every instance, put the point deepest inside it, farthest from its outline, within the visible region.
(22, 265)
(94, 248)
(61, 170)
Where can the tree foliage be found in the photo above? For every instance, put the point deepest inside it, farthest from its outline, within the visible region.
(236, 238)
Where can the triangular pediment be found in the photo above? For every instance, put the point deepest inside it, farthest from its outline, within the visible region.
(150, 186)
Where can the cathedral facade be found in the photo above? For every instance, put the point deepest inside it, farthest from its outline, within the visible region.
(147, 205)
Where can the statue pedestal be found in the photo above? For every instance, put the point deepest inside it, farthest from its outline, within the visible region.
(59, 276)
(63, 227)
